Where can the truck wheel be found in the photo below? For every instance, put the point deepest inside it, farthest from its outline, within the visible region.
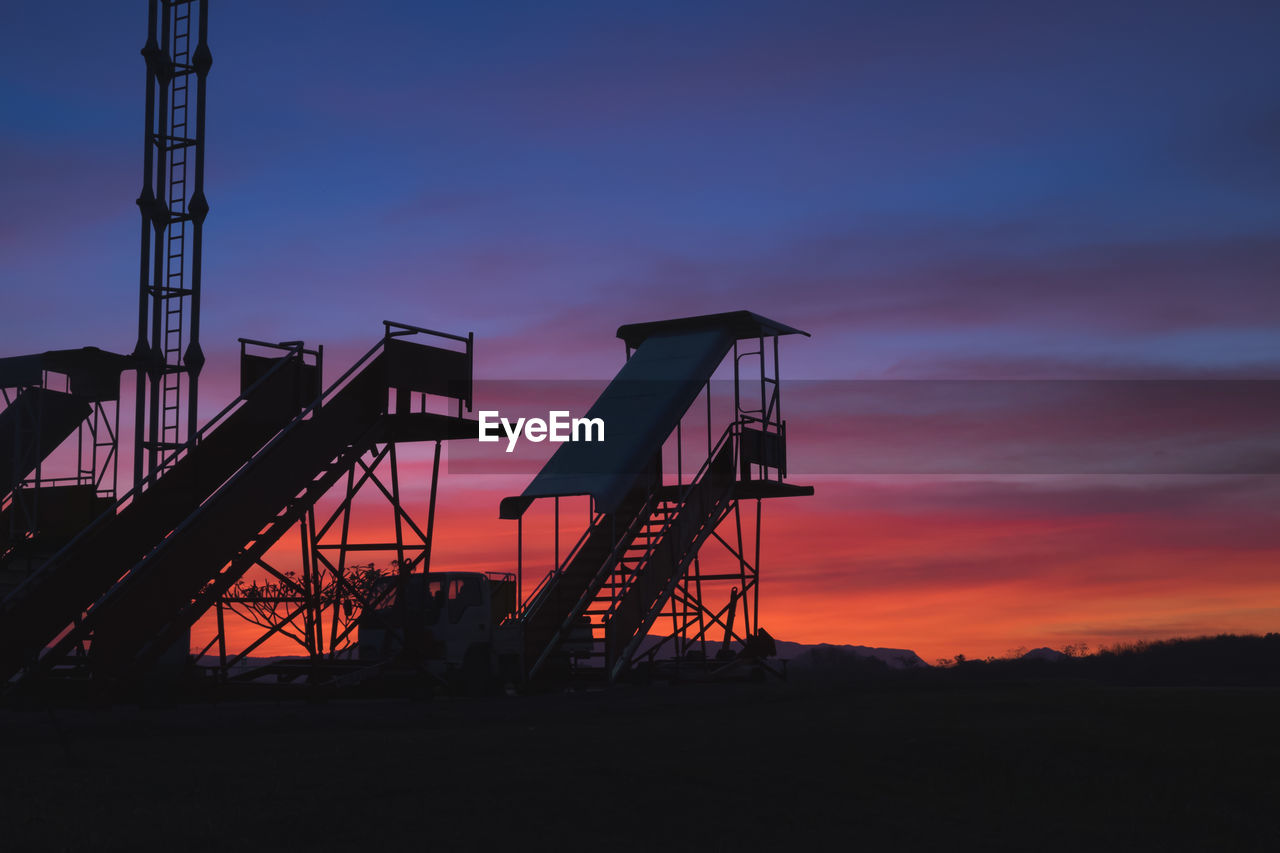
(510, 672)
(478, 675)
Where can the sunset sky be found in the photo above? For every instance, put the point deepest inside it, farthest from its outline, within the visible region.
(1008, 194)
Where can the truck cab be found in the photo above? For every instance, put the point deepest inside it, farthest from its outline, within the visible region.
(454, 623)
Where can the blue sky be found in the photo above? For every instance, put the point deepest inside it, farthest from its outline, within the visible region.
(949, 183)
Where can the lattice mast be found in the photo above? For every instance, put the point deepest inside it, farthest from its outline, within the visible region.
(173, 208)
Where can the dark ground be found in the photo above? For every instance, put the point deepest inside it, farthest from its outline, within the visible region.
(1047, 765)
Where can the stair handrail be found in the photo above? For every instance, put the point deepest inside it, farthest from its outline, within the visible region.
(540, 591)
(655, 609)
(405, 330)
(685, 492)
(602, 572)
(611, 559)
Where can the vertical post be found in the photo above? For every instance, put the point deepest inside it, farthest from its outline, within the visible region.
(222, 639)
(755, 594)
(697, 585)
(680, 452)
(471, 345)
(431, 510)
(710, 446)
(92, 422)
(115, 449)
(37, 447)
(315, 592)
(146, 205)
(728, 620)
(742, 561)
(308, 607)
(160, 220)
(764, 404)
(777, 384)
(197, 208)
(675, 626)
(339, 578)
(737, 401)
(395, 502)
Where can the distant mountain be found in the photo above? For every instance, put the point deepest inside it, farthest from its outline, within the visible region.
(799, 656)
(1044, 653)
(826, 655)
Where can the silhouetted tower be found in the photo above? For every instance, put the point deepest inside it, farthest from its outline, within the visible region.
(173, 208)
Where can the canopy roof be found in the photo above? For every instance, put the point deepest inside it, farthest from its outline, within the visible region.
(673, 360)
(739, 324)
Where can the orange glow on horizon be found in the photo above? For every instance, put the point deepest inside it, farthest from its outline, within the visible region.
(944, 568)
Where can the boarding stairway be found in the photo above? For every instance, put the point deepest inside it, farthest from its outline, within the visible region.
(593, 610)
(57, 449)
(639, 587)
(56, 596)
(620, 583)
(150, 590)
(35, 423)
(33, 426)
(560, 602)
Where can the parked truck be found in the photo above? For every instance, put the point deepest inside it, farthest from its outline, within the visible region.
(460, 626)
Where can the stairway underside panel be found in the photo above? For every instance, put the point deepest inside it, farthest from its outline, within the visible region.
(639, 408)
(700, 512)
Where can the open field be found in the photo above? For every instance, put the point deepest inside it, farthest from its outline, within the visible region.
(1062, 765)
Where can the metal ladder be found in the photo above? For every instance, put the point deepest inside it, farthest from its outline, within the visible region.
(174, 290)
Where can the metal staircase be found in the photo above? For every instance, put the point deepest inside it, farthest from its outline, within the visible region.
(678, 528)
(639, 555)
(635, 570)
(564, 597)
(54, 599)
(214, 547)
(157, 598)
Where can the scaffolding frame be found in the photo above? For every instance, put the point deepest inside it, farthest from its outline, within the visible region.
(318, 607)
(173, 208)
